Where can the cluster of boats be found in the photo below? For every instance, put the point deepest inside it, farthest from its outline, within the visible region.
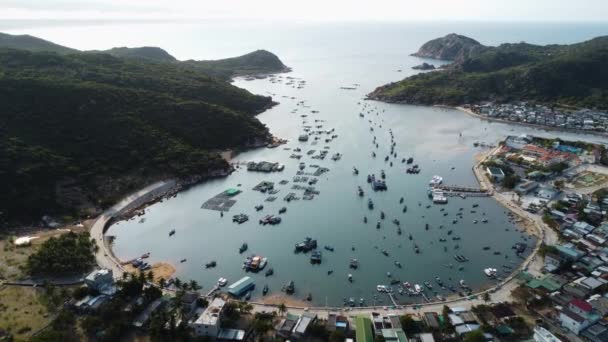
(140, 264)
(240, 218)
(254, 263)
(306, 246)
(413, 170)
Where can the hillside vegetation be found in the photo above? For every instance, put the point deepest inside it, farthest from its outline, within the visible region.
(567, 74)
(80, 130)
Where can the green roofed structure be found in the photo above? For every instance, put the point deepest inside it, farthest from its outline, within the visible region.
(232, 192)
(549, 282)
(364, 331)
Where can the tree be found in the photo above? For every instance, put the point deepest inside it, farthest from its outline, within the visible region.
(486, 297)
(522, 294)
(194, 286)
(70, 253)
(162, 283)
(150, 276)
(510, 181)
(337, 336)
(282, 309)
(408, 324)
(475, 336)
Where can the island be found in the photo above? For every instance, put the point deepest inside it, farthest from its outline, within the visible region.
(572, 76)
(83, 129)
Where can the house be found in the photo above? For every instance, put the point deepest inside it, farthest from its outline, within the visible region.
(90, 303)
(547, 193)
(101, 281)
(208, 323)
(597, 332)
(144, 316)
(286, 326)
(337, 322)
(495, 173)
(431, 319)
(303, 323)
(543, 335)
(526, 187)
(502, 312)
(189, 301)
(577, 316)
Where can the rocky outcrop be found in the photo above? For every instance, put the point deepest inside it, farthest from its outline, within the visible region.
(453, 47)
(424, 66)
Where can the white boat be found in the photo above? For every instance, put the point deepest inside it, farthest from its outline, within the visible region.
(436, 180)
(418, 288)
(263, 263)
(222, 282)
(490, 272)
(381, 288)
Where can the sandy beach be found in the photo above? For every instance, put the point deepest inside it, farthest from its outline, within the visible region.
(277, 299)
(161, 270)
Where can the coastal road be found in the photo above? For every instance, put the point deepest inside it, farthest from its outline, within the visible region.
(104, 256)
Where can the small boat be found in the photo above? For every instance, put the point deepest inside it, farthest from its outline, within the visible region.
(265, 290)
(350, 277)
(364, 219)
(405, 209)
(248, 295)
(378, 225)
(243, 248)
(183, 260)
(290, 287)
(269, 272)
(398, 264)
(354, 264)
(370, 204)
(222, 282)
(355, 171)
(282, 210)
(259, 207)
(329, 248)
(382, 216)
(401, 200)
(211, 264)
(330, 272)
(385, 252)
(172, 232)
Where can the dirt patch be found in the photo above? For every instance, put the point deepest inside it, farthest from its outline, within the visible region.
(21, 311)
(160, 270)
(277, 299)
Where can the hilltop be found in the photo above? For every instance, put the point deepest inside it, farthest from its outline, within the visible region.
(452, 47)
(573, 75)
(256, 62)
(80, 130)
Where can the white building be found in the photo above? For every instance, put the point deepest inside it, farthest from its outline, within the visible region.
(208, 323)
(543, 335)
(101, 280)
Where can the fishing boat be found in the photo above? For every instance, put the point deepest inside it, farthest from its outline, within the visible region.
(354, 264)
(282, 210)
(183, 260)
(329, 248)
(309, 297)
(401, 200)
(364, 219)
(265, 290)
(378, 225)
(360, 192)
(385, 252)
(330, 272)
(211, 264)
(398, 264)
(350, 277)
(248, 295)
(259, 207)
(370, 204)
(243, 248)
(417, 288)
(381, 288)
(222, 282)
(269, 272)
(172, 232)
(490, 272)
(315, 257)
(355, 171)
(290, 287)
(382, 216)
(405, 209)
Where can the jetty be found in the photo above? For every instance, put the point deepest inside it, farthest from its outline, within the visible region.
(455, 190)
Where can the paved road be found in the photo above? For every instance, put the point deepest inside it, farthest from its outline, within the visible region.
(104, 256)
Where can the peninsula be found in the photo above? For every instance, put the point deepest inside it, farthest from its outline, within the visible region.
(573, 75)
(82, 129)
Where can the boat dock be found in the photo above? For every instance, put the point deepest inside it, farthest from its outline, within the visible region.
(454, 190)
(212, 291)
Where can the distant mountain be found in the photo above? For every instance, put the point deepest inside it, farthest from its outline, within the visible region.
(257, 62)
(146, 52)
(574, 75)
(80, 130)
(31, 43)
(453, 47)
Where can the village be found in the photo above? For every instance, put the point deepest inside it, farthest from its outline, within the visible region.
(587, 120)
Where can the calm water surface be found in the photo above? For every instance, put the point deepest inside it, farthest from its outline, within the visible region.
(329, 56)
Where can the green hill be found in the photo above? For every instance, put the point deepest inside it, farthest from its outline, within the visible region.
(81, 130)
(31, 43)
(257, 62)
(567, 74)
(146, 52)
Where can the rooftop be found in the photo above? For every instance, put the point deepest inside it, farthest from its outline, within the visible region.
(211, 315)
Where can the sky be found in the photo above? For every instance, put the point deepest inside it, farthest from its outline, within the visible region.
(307, 10)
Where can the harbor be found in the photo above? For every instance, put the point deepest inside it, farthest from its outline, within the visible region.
(388, 225)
